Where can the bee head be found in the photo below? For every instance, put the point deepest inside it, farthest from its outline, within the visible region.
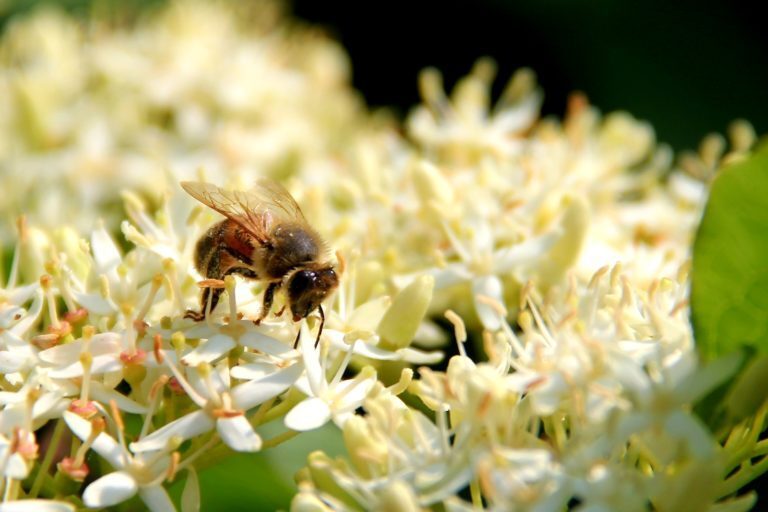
(308, 288)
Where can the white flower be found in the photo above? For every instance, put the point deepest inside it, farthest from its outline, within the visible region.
(219, 339)
(13, 464)
(531, 479)
(326, 400)
(16, 354)
(544, 258)
(28, 408)
(133, 473)
(465, 123)
(354, 328)
(221, 407)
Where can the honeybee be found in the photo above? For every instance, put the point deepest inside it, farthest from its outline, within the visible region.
(264, 237)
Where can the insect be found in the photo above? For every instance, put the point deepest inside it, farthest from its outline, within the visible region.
(264, 237)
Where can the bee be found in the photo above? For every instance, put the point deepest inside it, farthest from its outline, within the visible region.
(264, 237)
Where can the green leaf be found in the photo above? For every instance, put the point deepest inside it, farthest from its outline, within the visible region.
(729, 290)
(262, 480)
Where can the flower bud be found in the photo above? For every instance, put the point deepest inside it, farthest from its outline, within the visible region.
(365, 449)
(322, 471)
(403, 317)
(397, 497)
(431, 185)
(565, 252)
(308, 502)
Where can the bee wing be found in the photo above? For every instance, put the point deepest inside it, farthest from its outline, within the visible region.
(281, 205)
(274, 198)
(253, 210)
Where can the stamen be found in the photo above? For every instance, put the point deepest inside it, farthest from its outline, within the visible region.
(615, 273)
(172, 284)
(86, 360)
(97, 427)
(46, 282)
(118, 419)
(366, 373)
(104, 286)
(342, 266)
(597, 276)
(173, 467)
(157, 282)
(156, 346)
(525, 290)
(13, 275)
(497, 306)
(155, 394)
(455, 243)
(204, 369)
(343, 366)
(229, 284)
(406, 377)
(540, 323)
(442, 425)
(459, 330)
(742, 135)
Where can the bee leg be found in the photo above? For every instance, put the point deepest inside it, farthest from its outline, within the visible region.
(210, 295)
(266, 305)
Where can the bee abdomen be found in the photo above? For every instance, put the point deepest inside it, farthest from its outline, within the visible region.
(207, 252)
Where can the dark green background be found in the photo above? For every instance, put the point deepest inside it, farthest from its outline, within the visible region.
(688, 67)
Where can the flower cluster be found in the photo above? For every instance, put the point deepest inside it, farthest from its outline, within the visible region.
(556, 251)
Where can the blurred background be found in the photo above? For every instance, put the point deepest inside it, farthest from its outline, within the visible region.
(687, 67)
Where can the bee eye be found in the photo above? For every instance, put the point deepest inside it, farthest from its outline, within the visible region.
(300, 282)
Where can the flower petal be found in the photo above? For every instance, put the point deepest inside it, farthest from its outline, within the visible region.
(156, 498)
(238, 434)
(110, 490)
(311, 357)
(308, 414)
(104, 394)
(266, 344)
(252, 371)
(186, 427)
(23, 325)
(14, 466)
(100, 365)
(104, 444)
(488, 286)
(416, 356)
(190, 496)
(522, 254)
(36, 506)
(21, 294)
(14, 361)
(250, 394)
(101, 344)
(94, 303)
(105, 252)
(213, 349)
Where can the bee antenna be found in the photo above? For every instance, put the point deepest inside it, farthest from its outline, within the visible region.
(322, 323)
(319, 332)
(296, 341)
